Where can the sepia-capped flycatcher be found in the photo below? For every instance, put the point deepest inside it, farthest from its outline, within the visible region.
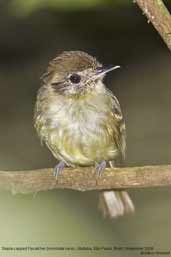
(81, 122)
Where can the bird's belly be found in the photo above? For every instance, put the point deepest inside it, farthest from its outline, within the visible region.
(83, 143)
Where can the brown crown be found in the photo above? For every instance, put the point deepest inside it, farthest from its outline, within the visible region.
(70, 61)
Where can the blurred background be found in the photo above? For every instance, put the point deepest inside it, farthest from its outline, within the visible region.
(32, 33)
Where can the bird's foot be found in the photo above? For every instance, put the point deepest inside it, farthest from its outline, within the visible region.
(100, 167)
(58, 169)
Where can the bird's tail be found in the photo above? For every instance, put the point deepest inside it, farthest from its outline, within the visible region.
(115, 203)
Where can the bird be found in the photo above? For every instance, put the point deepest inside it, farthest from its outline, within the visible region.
(80, 120)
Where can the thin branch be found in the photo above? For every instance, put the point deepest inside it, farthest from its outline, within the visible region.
(84, 179)
(159, 16)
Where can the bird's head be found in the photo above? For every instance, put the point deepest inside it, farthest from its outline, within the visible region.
(75, 73)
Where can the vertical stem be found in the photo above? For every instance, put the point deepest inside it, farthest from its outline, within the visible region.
(157, 13)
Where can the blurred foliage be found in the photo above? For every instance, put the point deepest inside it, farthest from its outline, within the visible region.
(23, 8)
(117, 36)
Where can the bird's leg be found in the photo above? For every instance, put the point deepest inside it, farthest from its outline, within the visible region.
(100, 168)
(58, 169)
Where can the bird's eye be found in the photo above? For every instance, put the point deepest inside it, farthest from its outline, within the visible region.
(99, 68)
(75, 78)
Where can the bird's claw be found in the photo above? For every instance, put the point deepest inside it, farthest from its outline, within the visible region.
(58, 169)
(100, 168)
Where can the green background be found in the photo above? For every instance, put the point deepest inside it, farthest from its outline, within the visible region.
(34, 32)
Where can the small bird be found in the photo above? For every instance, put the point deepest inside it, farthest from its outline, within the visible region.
(80, 121)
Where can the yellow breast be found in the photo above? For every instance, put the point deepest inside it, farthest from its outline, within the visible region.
(80, 132)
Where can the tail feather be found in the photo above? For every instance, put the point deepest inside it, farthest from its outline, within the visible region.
(115, 203)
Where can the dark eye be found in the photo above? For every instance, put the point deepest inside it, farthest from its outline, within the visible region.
(99, 68)
(75, 78)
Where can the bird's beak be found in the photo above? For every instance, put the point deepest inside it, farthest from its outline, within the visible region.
(100, 72)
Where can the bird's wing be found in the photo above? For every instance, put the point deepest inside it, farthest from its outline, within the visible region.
(120, 139)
